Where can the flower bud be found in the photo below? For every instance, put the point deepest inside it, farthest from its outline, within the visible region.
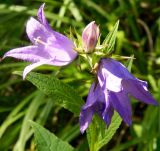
(90, 37)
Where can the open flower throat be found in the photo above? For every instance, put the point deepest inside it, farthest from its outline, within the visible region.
(49, 47)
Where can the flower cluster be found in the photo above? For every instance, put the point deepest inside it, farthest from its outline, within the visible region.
(113, 85)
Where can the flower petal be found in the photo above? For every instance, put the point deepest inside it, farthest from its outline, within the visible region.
(28, 53)
(42, 18)
(33, 66)
(87, 111)
(95, 103)
(57, 62)
(139, 90)
(95, 95)
(35, 30)
(63, 54)
(61, 40)
(121, 104)
(62, 46)
(111, 73)
(108, 81)
(108, 111)
(116, 68)
(52, 43)
(35, 54)
(85, 119)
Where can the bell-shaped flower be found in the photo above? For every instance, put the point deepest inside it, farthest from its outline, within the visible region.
(111, 92)
(49, 47)
(90, 37)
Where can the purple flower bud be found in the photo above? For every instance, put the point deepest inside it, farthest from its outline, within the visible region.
(90, 37)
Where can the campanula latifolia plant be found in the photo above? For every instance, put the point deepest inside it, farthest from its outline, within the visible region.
(110, 89)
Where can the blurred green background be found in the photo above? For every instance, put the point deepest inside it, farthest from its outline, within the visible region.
(138, 34)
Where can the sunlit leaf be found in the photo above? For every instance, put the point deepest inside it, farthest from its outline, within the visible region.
(47, 141)
(99, 135)
(61, 93)
(109, 41)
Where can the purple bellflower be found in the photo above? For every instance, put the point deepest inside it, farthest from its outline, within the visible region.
(49, 47)
(90, 37)
(111, 92)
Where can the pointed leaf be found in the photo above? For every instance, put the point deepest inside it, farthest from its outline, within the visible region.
(47, 141)
(99, 135)
(129, 63)
(62, 94)
(109, 41)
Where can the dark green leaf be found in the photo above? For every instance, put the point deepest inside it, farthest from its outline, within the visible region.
(47, 141)
(62, 93)
(98, 134)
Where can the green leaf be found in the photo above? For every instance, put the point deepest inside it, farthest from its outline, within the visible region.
(15, 114)
(109, 41)
(98, 134)
(62, 93)
(69, 4)
(47, 141)
(30, 114)
(129, 63)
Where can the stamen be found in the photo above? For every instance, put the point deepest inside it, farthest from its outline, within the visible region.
(38, 40)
